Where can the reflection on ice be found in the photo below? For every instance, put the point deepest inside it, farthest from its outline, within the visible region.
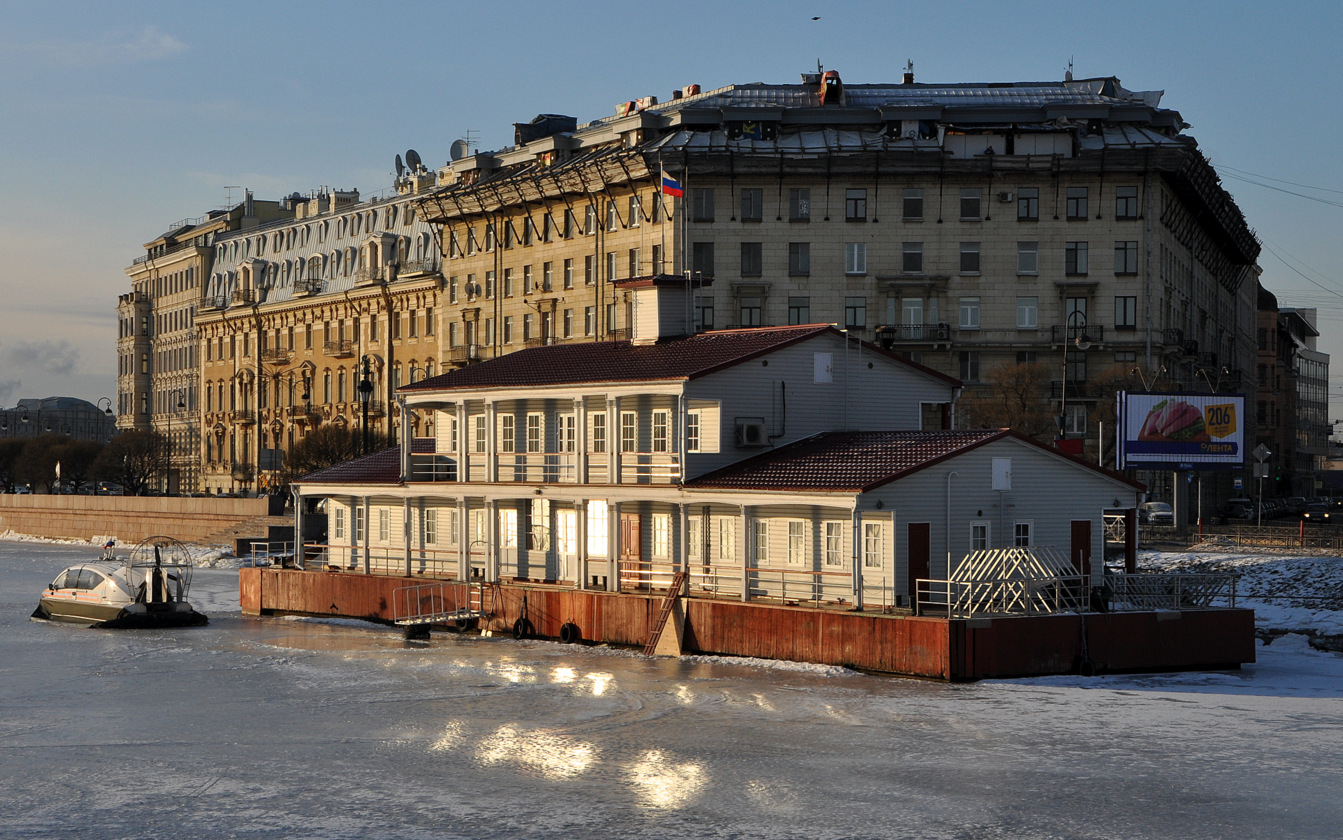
(664, 784)
(684, 695)
(449, 740)
(554, 756)
(599, 683)
(564, 676)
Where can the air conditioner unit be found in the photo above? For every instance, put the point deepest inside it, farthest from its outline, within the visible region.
(751, 431)
(1005, 197)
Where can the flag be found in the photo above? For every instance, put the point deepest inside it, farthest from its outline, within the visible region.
(670, 186)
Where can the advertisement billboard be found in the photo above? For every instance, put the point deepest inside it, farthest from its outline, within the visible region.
(1181, 431)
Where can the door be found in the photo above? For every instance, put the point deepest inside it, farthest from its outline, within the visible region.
(918, 548)
(1081, 548)
(566, 543)
(633, 571)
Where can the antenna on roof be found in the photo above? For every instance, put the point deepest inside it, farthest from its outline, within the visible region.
(413, 160)
(458, 149)
(229, 199)
(400, 167)
(1068, 76)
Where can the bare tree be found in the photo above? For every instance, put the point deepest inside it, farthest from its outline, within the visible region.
(76, 458)
(10, 450)
(1012, 398)
(134, 459)
(327, 446)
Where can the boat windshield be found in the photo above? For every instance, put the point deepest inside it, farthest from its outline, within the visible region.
(78, 578)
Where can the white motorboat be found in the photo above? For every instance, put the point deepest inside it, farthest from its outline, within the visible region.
(148, 588)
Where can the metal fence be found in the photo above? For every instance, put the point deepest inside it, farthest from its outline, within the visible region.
(1169, 592)
(1294, 535)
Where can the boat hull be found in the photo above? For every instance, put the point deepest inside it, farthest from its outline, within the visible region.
(112, 616)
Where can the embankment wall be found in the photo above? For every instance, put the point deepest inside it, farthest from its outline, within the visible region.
(127, 518)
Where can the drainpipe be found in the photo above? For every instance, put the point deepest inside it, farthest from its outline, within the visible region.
(950, 475)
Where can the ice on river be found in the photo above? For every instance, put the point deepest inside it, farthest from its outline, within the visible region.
(269, 727)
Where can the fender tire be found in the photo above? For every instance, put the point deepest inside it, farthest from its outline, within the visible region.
(570, 634)
(522, 628)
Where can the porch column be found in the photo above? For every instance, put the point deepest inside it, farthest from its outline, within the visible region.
(492, 446)
(744, 528)
(580, 441)
(856, 526)
(581, 550)
(463, 542)
(613, 547)
(405, 519)
(298, 527)
(613, 439)
(492, 555)
(463, 446)
(363, 534)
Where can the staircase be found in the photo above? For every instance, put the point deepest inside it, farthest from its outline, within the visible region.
(241, 535)
(668, 603)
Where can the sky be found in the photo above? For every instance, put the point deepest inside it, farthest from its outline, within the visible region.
(121, 119)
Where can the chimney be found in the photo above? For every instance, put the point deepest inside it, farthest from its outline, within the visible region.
(661, 306)
(909, 72)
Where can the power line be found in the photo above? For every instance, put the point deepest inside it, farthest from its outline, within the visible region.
(1278, 180)
(1288, 192)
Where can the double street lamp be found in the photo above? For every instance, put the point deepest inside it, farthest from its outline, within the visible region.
(365, 394)
(1077, 337)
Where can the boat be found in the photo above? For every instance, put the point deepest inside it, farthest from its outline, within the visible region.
(147, 588)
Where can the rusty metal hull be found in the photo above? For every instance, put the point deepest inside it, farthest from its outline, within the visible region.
(915, 646)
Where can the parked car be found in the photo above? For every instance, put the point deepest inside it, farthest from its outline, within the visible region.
(1317, 513)
(1156, 513)
(1239, 509)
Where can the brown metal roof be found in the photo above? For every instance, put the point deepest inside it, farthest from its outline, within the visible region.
(860, 461)
(379, 468)
(620, 361)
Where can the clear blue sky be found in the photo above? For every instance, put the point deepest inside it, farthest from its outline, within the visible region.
(121, 118)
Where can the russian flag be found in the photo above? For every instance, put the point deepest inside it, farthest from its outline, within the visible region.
(670, 186)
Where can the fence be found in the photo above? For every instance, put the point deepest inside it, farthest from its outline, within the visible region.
(1169, 592)
(1295, 535)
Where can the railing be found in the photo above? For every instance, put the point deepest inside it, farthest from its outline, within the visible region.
(1062, 333)
(913, 333)
(369, 275)
(304, 412)
(622, 334)
(1146, 592)
(307, 285)
(376, 408)
(1004, 596)
(262, 553)
(428, 265)
(275, 354)
(543, 341)
(433, 468)
(539, 467)
(1172, 337)
(246, 296)
(342, 349)
(244, 416)
(437, 603)
(796, 585)
(464, 353)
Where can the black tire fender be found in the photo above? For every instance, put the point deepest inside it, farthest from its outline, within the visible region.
(570, 633)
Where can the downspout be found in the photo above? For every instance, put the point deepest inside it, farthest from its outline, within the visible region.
(950, 475)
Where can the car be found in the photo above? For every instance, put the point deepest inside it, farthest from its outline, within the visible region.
(1239, 509)
(1317, 513)
(1156, 513)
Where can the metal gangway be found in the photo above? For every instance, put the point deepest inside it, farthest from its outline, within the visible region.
(438, 603)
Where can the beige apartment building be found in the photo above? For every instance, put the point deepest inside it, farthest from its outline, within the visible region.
(1072, 224)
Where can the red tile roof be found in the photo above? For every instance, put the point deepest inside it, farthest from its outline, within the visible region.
(379, 468)
(620, 361)
(859, 461)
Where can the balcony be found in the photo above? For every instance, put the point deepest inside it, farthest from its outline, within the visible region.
(307, 286)
(1062, 334)
(897, 335)
(343, 349)
(375, 408)
(424, 266)
(305, 413)
(464, 354)
(369, 276)
(1172, 338)
(542, 341)
(622, 334)
(243, 416)
(276, 355)
(244, 296)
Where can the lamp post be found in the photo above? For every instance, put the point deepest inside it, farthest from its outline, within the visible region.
(1077, 336)
(219, 446)
(365, 393)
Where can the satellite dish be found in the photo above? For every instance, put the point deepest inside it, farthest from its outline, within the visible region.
(413, 159)
(400, 167)
(458, 149)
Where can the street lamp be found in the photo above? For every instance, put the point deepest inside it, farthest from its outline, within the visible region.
(1077, 335)
(365, 393)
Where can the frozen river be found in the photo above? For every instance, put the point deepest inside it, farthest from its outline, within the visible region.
(255, 727)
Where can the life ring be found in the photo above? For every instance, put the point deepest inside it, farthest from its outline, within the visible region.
(570, 633)
(522, 627)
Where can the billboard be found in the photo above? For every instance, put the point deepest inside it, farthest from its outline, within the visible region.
(1181, 431)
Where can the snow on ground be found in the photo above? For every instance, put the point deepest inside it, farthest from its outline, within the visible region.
(203, 556)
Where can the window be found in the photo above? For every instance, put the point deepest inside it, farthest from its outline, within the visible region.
(635, 211)
(1075, 258)
(1126, 257)
(969, 364)
(799, 310)
(979, 536)
(661, 535)
(694, 540)
(567, 432)
(570, 223)
(568, 323)
(1027, 357)
(748, 312)
(1021, 534)
(855, 313)
(569, 273)
(751, 259)
(589, 320)
(797, 543)
(912, 258)
(528, 280)
(855, 205)
(535, 432)
(1028, 257)
(701, 205)
(692, 431)
(703, 313)
(872, 545)
(834, 543)
(799, 205)
(1028, 313)
(727, 538)
(338, 528)
(611, 265)
(428, 320)
(855, 258)
(1028, 204)
(913, 205)
(1126, 312)
(589, 270)
(752, 205)
(629, 431)
(508, 329)
(661, 431)
(799, 259)
(507, 430)
(611, 320)
(760, 541)
(969, 313)
(599, 433)
(612, 216)
(634, 262)
(590, 219)
(970, 201)
(384, 525)
(479, 436)
(1075, 366)
(701, 260)
(1126, 203)
(489, 285)
(1077, 204)
(1076, 420)
(969, 258)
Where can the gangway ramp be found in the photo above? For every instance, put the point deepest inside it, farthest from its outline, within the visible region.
(437, 603)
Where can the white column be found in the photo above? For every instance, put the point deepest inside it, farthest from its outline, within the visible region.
(613, 459)
(463, 447)
(580, 441)
(613, 548)
(581, 506)
(492, 445)
(463, 541)
(405, 520)
(367, 526)
(492, 556)
(855, 524)
(744, 551)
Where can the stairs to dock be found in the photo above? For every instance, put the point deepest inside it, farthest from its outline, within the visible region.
(674, 594)
(241, 535)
